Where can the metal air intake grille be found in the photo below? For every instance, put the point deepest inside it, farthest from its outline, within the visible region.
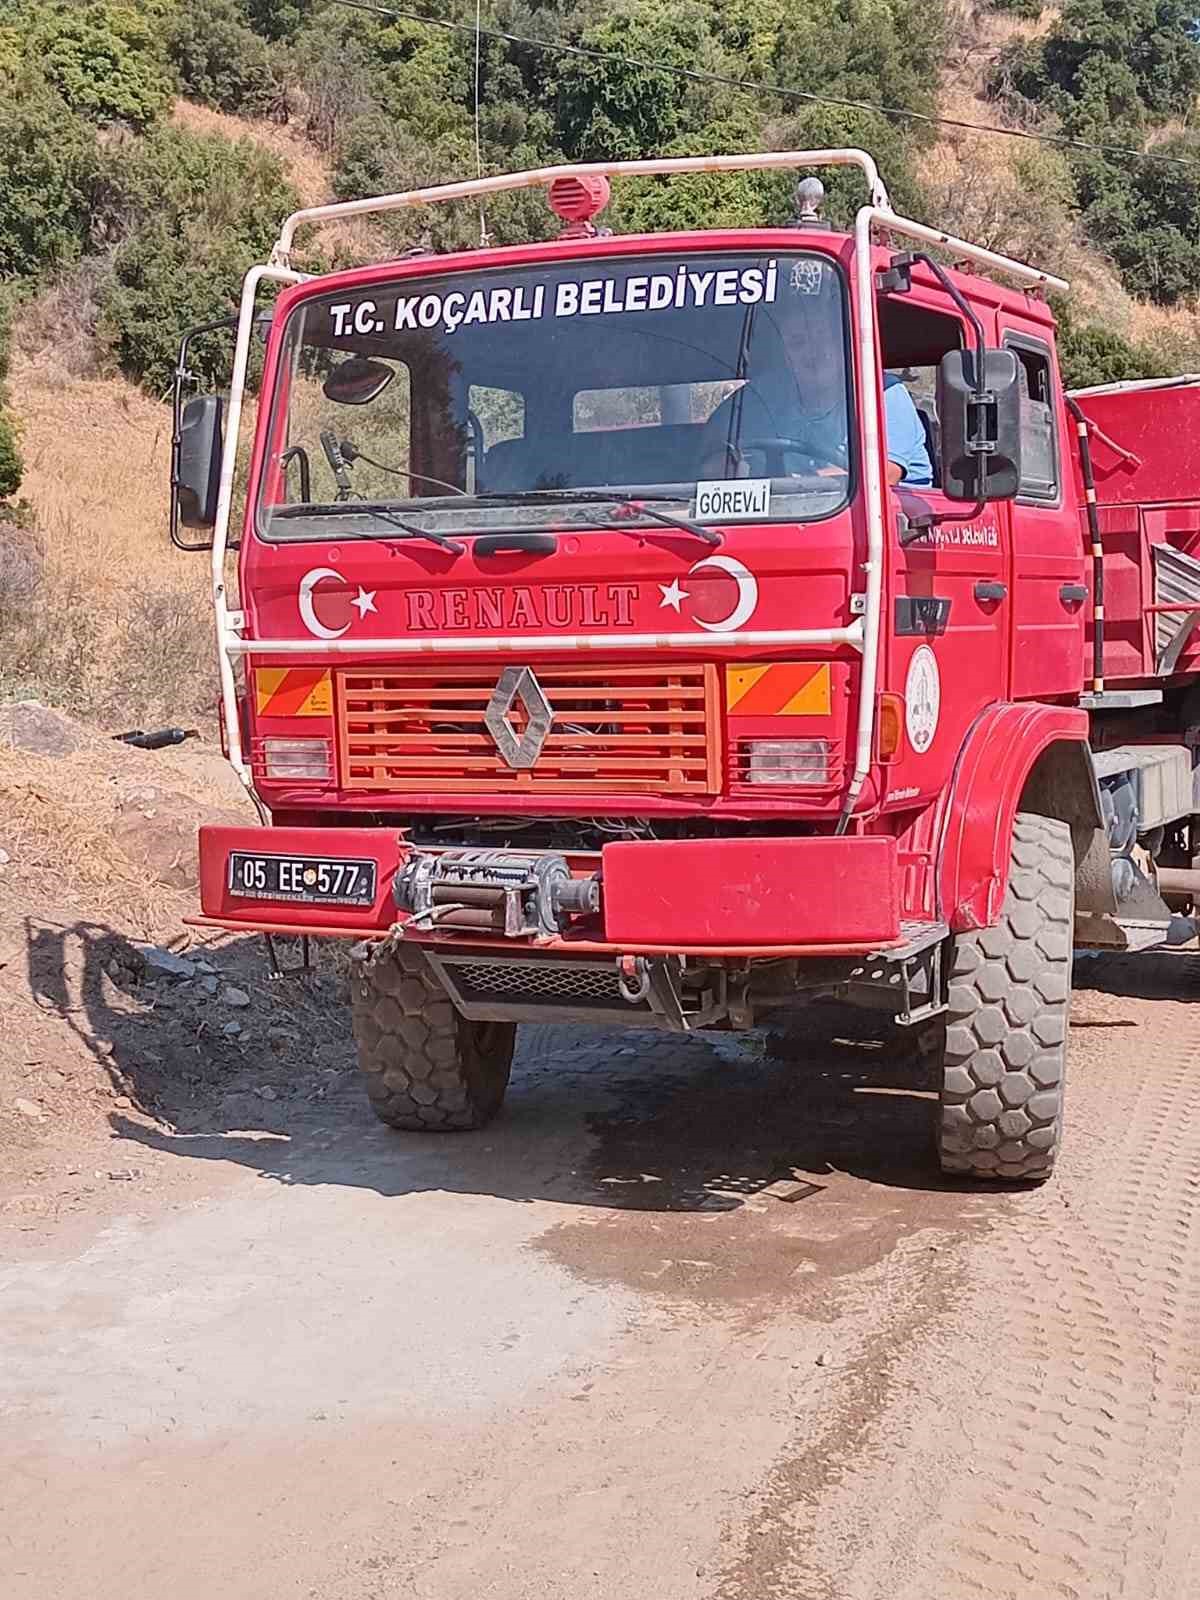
(614, 730)
(558, 984)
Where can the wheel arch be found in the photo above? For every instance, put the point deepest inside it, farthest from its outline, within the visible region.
(1028, 757)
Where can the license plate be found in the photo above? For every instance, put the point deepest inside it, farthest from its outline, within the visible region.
(320, 880)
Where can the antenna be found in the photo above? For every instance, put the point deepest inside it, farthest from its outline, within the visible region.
(483, 232)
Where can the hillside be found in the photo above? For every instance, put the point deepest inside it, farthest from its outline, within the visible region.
(138, 207)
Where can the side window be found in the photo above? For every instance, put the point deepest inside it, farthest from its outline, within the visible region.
(1039, 419)
(914, 338)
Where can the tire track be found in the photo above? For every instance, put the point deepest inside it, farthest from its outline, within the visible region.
(1095, 1378)
(1044, 1444)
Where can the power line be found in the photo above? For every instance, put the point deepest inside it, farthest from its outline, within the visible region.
(695, 75)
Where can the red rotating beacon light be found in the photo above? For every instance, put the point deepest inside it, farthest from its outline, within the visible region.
(577, 200)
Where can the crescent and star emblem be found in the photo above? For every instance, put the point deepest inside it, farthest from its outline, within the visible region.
(673, 594)
(336, 606)
(363, 602)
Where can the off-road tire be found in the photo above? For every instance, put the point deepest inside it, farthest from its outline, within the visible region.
(1004, 1063)
(426, 1068)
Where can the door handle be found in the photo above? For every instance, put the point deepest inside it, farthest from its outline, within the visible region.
(1072, 593)
(990, 591)
(500, 544)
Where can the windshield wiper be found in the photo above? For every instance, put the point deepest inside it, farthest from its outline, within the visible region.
(568, 497)
(351, 508)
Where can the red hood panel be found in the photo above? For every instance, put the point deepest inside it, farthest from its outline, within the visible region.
(774, 578)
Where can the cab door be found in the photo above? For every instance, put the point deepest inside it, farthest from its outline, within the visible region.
(1050, 595)
(948, 651)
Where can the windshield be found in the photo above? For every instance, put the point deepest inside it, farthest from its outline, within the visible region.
(714, 386)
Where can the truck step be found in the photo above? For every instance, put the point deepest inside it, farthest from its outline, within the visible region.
(1120, 699)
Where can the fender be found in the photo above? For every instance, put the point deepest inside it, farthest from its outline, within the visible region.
(998, 755)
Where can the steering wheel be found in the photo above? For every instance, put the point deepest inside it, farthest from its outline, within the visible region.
(778, 447)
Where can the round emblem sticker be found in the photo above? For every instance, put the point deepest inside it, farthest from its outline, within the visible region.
(922, 698)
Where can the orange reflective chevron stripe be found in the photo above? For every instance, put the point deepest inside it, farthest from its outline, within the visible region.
(780, 689)
(294, 692)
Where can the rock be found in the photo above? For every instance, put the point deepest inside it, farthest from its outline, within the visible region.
(29, 1108)
(29, 725)
(235, 997)
(825, 1359)
(231, 1030)
(164, 963)
(5, 858)
(265, 1092)
(204, 966)
(281, 1038)
(122, 1100)
(209, 985)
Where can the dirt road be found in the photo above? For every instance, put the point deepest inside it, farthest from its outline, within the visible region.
(693, 1320)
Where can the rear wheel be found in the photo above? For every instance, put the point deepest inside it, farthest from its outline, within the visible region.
(426, 1068)
(1004, 1063)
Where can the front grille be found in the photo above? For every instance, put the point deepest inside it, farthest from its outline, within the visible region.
(615, 730)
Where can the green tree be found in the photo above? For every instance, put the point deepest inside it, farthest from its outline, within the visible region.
(1146, 214)
(198, 211)
(613, 111)
(221, 61)
(103, 58)
(48, 169)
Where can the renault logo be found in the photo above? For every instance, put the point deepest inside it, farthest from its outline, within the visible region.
(520, 747)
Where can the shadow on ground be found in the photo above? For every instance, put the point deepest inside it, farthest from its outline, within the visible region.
(203, 1052)
(636, 1121)
(629, 1121)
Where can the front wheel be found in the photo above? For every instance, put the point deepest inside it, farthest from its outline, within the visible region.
(426, 1067)
(1004, 1061)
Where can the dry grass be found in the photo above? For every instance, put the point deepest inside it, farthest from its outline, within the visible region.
(61, 825)
(1005, 193)
(118, 624)
(305, 167)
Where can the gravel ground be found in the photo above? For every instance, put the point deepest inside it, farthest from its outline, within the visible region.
(693, 1318)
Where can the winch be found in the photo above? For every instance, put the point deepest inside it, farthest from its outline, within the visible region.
(513, 892)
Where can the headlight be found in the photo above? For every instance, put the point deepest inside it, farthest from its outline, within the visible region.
(786, 761)
(296, 758)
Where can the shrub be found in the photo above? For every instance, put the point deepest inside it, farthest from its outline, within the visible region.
(48, 166)
(104, 60)
(22, 564)
(1089, 353)
(608, 110)
(221, 61)
(199, 211)
(10, 456)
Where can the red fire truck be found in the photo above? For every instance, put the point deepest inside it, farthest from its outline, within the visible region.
(594, 655)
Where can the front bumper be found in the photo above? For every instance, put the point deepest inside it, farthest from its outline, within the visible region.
(764, 897)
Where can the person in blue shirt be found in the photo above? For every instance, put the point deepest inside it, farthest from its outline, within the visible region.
(791, 416)
(907, 447)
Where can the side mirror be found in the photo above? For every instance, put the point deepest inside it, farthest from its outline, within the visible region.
(196, 474)
(357, 380)
(981, 425)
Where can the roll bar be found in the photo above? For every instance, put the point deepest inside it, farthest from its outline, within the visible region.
(543, 177)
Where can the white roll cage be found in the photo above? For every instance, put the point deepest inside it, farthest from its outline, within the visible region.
(862, 634)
